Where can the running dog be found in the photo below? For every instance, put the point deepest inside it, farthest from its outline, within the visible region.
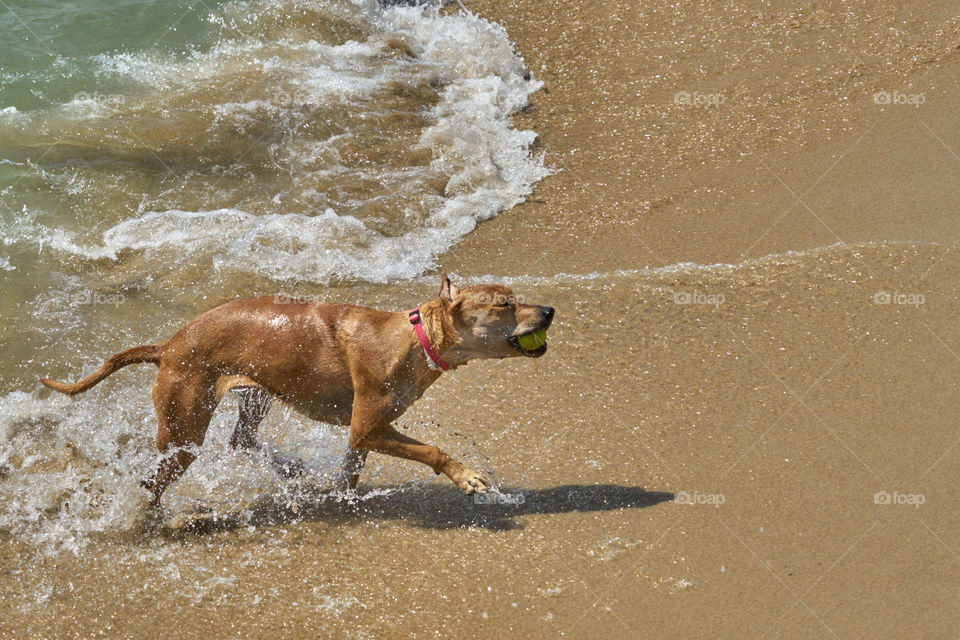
(340, 364)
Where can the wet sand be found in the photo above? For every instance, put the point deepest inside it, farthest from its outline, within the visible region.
(785, 149)
(703, 452)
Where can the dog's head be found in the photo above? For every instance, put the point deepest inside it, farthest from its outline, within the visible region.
(488, 320)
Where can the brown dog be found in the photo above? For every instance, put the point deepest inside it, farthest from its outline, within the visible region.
(340, 364)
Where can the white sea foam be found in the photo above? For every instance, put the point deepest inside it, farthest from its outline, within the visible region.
(675, 269)
(8, 113)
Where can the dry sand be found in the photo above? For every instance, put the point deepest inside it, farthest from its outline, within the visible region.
(703, 452)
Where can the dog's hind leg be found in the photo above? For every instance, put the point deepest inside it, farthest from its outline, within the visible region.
(184, 407)
(254, 404)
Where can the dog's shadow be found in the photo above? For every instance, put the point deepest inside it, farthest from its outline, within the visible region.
(426, 506)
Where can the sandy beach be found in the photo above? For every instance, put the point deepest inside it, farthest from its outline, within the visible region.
(746, 422)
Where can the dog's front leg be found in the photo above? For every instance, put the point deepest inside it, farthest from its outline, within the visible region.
(370, 429)
(349, 474)
(388, 440)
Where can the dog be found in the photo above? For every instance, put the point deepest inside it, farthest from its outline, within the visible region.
(340, 364)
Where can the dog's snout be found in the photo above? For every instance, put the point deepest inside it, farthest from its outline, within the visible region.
(547, 313)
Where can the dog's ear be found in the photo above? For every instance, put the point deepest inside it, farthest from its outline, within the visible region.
(448, 291)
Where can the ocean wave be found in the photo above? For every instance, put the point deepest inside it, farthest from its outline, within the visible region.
(290, 151)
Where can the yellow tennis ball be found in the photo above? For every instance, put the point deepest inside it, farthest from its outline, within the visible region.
(533, 341)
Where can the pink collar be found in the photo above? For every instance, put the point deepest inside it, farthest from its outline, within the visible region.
(435, 360)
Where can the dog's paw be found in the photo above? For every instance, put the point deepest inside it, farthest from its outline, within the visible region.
(345, 481)
(471, 482)
(148, 515)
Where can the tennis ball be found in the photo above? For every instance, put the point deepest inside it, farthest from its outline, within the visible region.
(533, 341)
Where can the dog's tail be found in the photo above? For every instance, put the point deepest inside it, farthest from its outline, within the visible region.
(143, 353)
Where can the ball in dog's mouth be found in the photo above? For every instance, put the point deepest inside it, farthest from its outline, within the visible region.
(533, 343)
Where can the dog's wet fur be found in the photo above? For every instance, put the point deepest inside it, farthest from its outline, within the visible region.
(341, 364)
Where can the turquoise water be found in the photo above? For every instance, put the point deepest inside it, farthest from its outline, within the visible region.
(49, 48)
